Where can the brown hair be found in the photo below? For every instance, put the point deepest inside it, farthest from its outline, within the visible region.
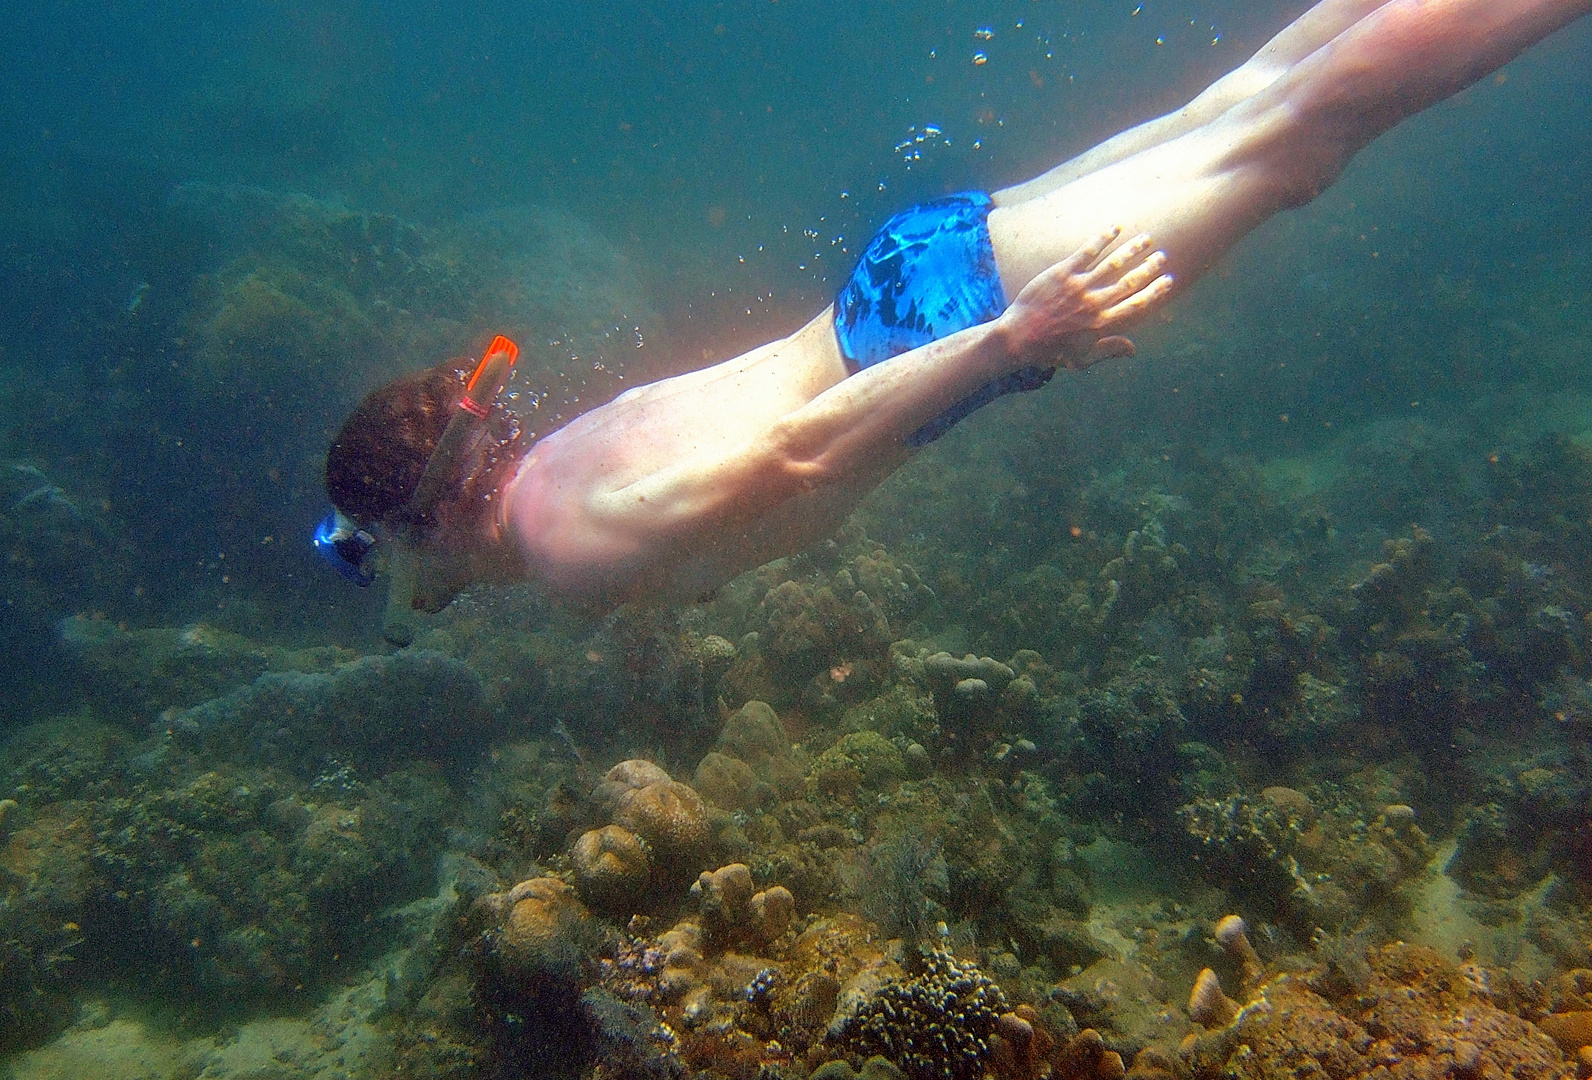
(375, 462)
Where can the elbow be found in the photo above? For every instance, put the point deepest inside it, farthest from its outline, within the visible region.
(794, 462)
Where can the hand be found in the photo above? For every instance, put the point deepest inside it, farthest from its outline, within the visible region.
(1057, 316)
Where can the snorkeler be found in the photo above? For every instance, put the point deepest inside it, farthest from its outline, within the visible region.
(675, 487)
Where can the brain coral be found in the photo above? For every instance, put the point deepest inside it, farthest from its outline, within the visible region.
(668, 815)
(611, 866)
(544, 930)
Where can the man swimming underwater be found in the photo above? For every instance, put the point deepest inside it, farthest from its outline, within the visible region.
(677, 486)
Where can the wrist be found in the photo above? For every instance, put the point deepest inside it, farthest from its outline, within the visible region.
(1006, 342)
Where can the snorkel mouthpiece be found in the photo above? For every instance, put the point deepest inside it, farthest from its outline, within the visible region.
(349, 549)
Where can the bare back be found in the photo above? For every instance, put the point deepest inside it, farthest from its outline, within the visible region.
(560, 504)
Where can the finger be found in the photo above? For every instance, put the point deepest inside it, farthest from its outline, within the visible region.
(1114, 345)
(1084, 258)
(1139, 302)
(1130, 282)
(1124, 257)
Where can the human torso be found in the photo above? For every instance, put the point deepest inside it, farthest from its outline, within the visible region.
(550, 507)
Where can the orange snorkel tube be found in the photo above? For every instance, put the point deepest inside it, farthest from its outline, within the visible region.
(463, 433)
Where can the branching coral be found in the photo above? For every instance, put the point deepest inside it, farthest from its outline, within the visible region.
(934, 1026)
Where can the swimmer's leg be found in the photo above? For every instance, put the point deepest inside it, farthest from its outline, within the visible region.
(1297, 40)
(1200, 193)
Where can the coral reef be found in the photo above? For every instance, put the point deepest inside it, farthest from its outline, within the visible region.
(670, 816)
(732, 911)
(935, 1025)
(1415, 1016)
(139, 673)
(1084, 752)
(611, 866)
(1526, 824)
(1312, 867)
(216, 883)
(372, 714)
(860, 761)
(908, 879)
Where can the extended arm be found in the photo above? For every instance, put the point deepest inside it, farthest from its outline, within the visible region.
(1054, 320)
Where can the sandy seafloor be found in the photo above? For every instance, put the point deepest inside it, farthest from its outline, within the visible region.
(1286, 617)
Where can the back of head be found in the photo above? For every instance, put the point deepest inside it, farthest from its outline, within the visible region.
(375, 463)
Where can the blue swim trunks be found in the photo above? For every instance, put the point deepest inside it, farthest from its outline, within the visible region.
(929, 272)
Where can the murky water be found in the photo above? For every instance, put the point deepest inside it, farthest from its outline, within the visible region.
(1286, 616)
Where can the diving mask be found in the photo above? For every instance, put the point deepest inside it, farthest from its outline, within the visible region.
(350, 549)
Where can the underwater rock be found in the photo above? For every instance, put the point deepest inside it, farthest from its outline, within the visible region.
(713, 655)
(1571, 1030)
(626, 777)
(145, 671)
(972, 693)
(805, 627)
(770, 913)
(529, 955)
(1066, 941)
(723, 896)
(1085, 1057)
(730, 783)
(862, 760)
(1131, 722)
(1232, 934)
(611, 867)
(669, 816)
(1525, 826)
(946, 672)
(210, 884)
(1417, 1016)
(310, 282)
(371, 714)
(1020, 1045)
(905, 710)
(64, 551)
(819, 638)
(682, 946)
(45, 883)
(754, 734)
(1321, 710)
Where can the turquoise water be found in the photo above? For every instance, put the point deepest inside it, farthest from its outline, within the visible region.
(1325, 538)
